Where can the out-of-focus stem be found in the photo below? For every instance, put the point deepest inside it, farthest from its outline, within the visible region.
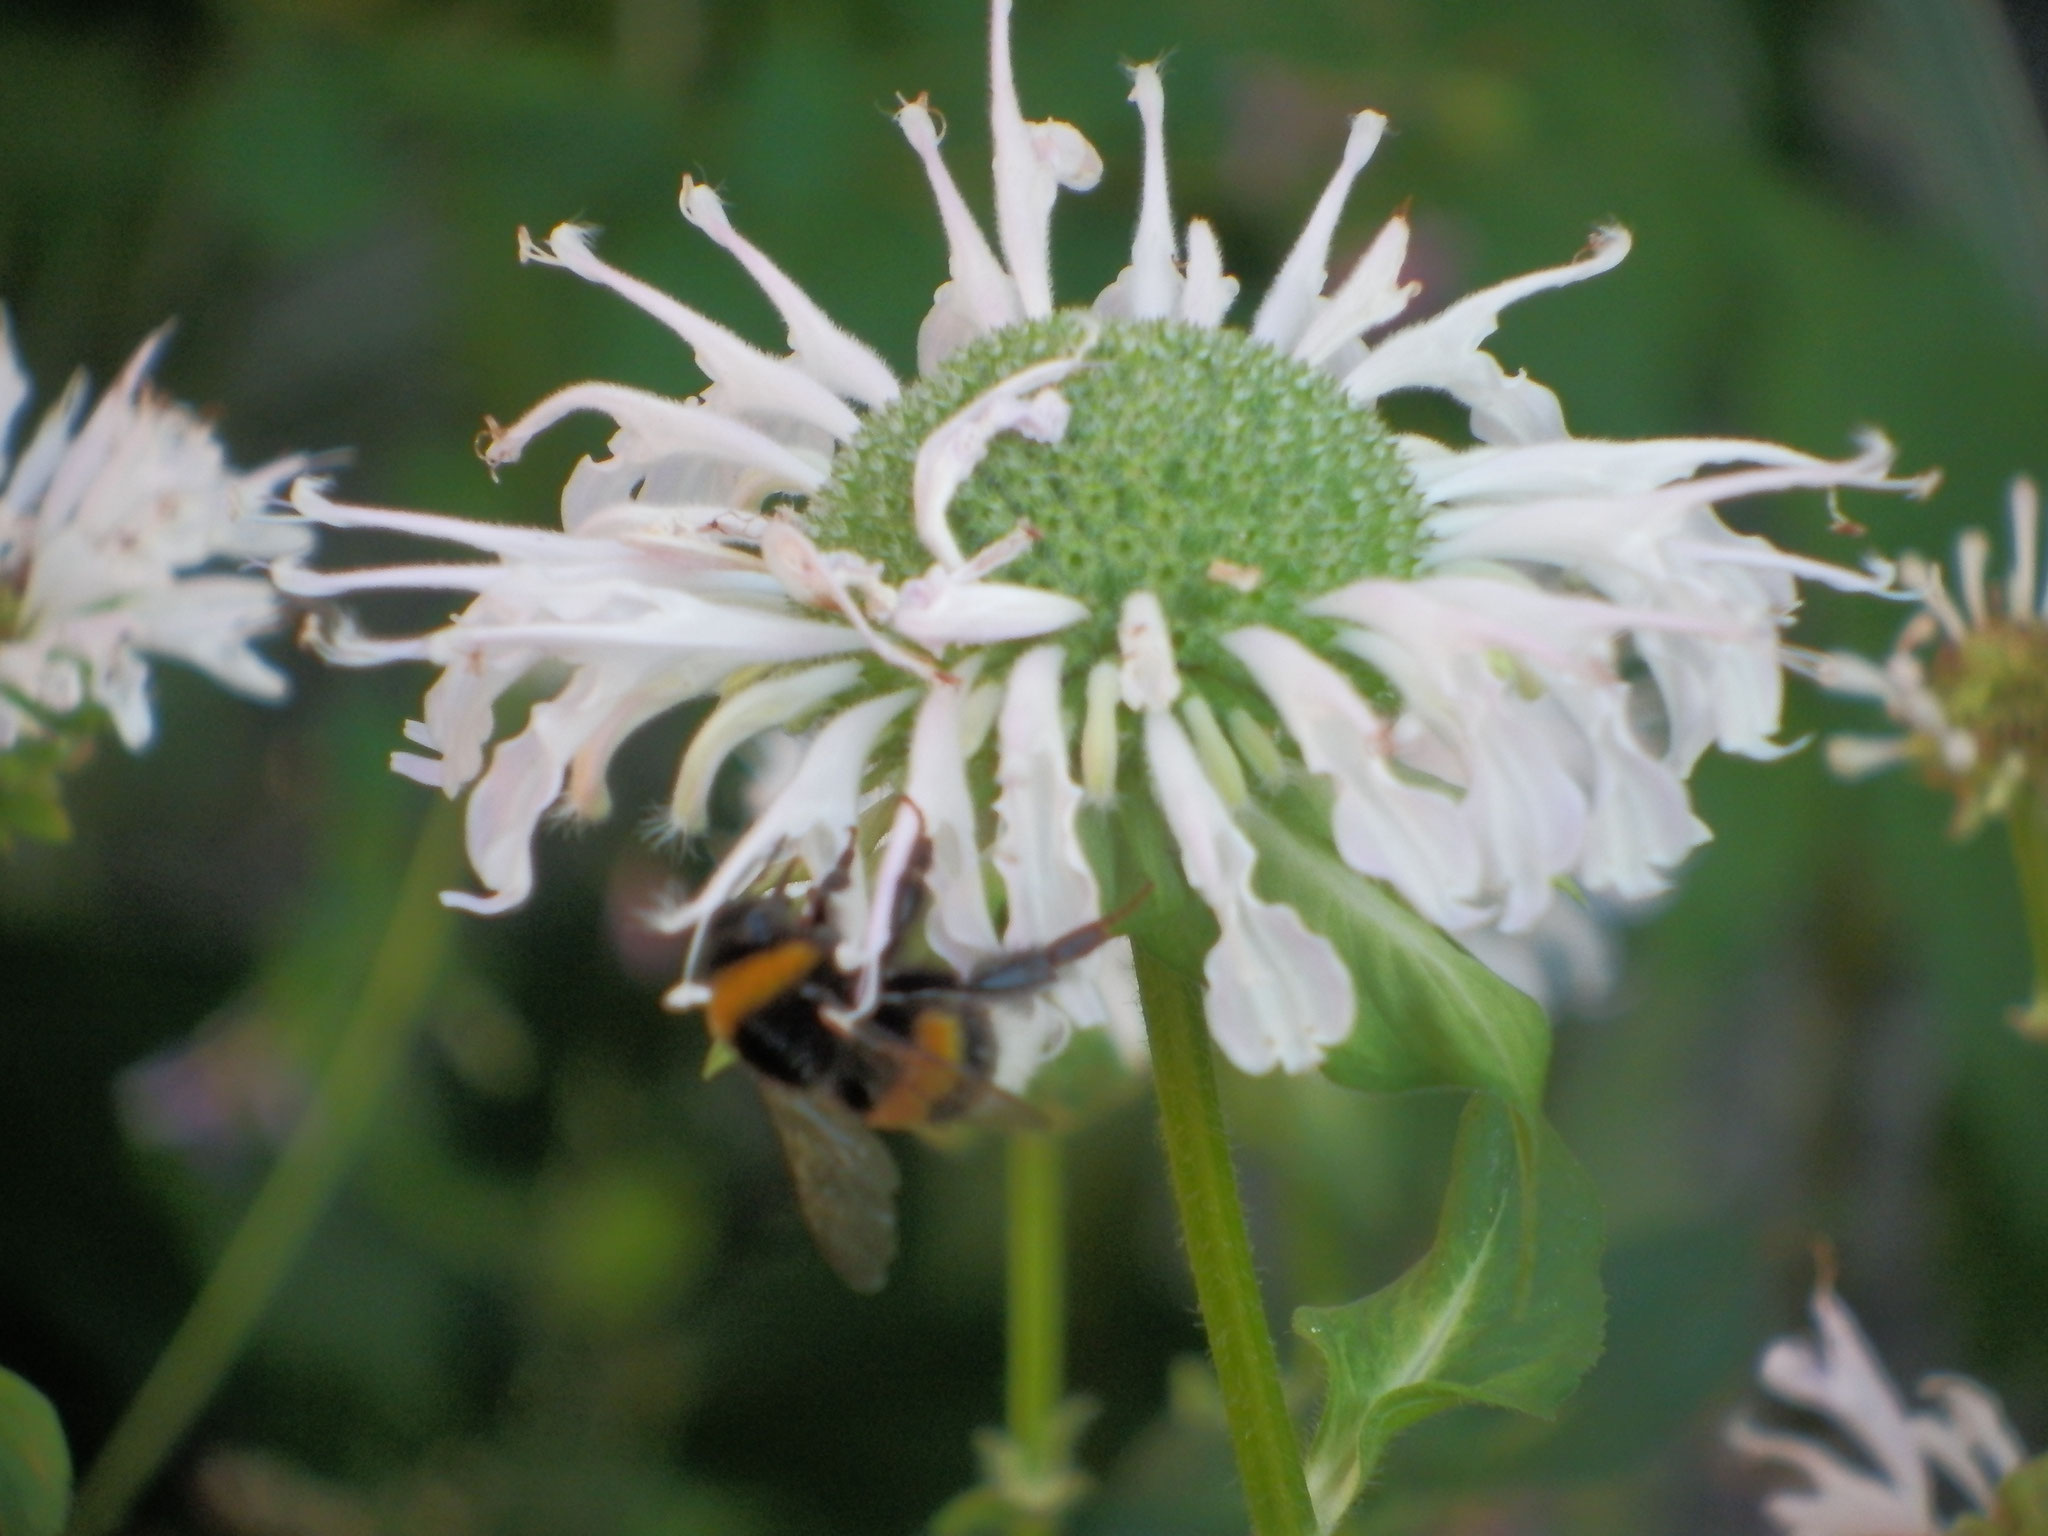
(1220, 1253)
(298, 1190)
(2030, 853)
(1037, 1337)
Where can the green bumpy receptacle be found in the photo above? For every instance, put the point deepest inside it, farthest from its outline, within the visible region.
(1185, 446)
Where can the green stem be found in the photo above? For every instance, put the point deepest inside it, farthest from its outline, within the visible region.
(2030, 854)
(300, 1185)
(1036, 1365)
(1220, 1253)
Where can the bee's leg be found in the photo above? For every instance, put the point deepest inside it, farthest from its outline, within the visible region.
(837, 879)
(1029, 969)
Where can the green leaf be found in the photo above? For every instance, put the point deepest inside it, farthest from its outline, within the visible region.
(1429, 1014)
(1504, 1310)
(35, 1463)
(31, 790)
(2022, 1507)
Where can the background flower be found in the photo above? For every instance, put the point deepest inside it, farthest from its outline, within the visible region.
(1908, 1466)
(124, 535)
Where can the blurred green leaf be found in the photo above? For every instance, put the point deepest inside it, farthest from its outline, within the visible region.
(2022, 1507)
(1505, 1309)
(35, 1463)
(31, 793)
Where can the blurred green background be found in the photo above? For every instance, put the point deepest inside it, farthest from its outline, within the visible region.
(567, 1292)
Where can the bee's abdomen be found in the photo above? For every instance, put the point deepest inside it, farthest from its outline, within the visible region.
(786, 1040)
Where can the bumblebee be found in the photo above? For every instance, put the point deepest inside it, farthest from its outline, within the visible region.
(832, 1076)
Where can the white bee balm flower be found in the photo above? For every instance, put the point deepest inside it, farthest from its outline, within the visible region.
(1077, 545)
(1905, 1465)
(125, 534)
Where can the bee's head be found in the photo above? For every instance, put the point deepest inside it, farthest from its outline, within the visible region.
(743, 928)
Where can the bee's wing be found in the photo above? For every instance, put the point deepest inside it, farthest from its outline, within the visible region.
(845, 1180)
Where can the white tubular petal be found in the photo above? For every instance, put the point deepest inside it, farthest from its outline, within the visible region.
(1209, 292)
(1277, 995)
(739, 718)
(1285, 310)
(1968, 1436)
(1369, 297)
(1037, 851)
(1049, 885)
(1150, 286)
(1973, 558)
(524, 781)
(36, 464)
(762, 382)
(1149, 677)
(982, 297)
(654, 427)
(812, 816)
(832, 356)
(1024, 403)
(957, 924)
(1858, 757)
(1443, 352)
(1580, 466)
(2023, 504)
(1840, 1377)
(1032, 162)
(1843, 1500)
(937, 611)
(1640, 824)
(495, 538)
(1399, 832)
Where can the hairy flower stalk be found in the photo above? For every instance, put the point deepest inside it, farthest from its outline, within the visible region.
(1967, 683)
(1909, 1471)
(123, 531)
(1117, 565)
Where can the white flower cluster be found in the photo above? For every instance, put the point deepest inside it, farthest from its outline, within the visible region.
(1475, 691)
(1906, 1458)
(122, 532)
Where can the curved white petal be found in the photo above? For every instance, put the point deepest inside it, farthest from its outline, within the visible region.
(654, 427)
(839, 361)
(762, 382)
(1024, 403)
(740, 717)
(1150, 287)
(1370, 296)
(1383, 826)
(957, 925)
(1444, 352)
(1209, 291)
(1492, 475)
(1033, 160)
(1277, 994)
(938, 611)
(811, 818)
(1285, 311)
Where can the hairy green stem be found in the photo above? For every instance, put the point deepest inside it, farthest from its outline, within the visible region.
(2029, 828)
(297, 1191)
(1037, 1334)
(1220, 1253)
